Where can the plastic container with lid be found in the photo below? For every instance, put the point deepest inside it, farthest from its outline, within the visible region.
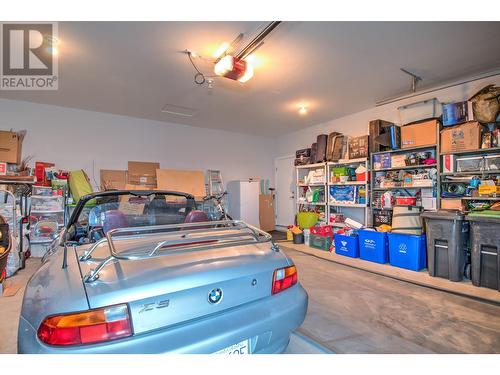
(447, 235)
(485, 249)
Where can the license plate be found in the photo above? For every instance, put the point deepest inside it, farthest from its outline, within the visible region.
(239, 348)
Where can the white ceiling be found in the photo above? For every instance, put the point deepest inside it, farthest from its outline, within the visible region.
(135, 69)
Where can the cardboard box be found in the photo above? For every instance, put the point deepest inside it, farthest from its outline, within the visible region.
(10, 147)
(420, 134)
(266, 212)
(184, 181)
(358, 147)
(142, 173)
(462, 137)
(452, 204)
(429, 203)
(3, 168)
(113, 179)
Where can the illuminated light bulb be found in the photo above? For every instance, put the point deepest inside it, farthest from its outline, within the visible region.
(221, 50)
(248, 73)
(54, 51)
(224, 65)
(302, 109)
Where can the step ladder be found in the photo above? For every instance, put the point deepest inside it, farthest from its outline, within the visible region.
(215, 183)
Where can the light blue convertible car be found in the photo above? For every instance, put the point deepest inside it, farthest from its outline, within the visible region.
(144, 272)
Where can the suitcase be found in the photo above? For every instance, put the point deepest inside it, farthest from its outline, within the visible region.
(321, 142)
(330, 145)
(337, 147)
(302, 161)
(312, 158)
(305, 152)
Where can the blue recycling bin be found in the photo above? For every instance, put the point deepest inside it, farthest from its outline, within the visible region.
(407, 251)
(373, 246)
(346, 245)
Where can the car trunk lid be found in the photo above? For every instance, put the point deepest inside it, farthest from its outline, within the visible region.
(174, 288)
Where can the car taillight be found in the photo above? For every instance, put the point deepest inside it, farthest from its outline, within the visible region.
(87, 327)
(284, 278)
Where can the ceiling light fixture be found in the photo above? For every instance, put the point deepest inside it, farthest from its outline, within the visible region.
(303, 109)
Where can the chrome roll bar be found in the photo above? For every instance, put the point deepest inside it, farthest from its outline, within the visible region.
(238, 233)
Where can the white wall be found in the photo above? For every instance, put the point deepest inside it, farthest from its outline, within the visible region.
(357, 124)
(78, 139)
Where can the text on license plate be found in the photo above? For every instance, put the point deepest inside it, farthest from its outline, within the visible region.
(239, 348)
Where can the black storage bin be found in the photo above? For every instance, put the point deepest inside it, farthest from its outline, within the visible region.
(447, 233)
(485, 245)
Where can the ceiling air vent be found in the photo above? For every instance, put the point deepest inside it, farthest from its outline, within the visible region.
(177, 110)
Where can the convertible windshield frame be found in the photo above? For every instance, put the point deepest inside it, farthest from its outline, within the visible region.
(117, 193)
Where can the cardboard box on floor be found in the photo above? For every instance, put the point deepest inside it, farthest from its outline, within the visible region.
(113, 179)
(10, 147)
(421, 134)
(142, 173)
(266, 212)
(185, 181)
(462, 137)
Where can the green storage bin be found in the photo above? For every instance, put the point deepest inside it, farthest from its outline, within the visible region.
(306, 220)
(320, 242)
(339, 171)
(79, 185)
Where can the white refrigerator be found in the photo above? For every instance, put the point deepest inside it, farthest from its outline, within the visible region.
(243, 201)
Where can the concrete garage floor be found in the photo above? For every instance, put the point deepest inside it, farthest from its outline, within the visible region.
(354, 311)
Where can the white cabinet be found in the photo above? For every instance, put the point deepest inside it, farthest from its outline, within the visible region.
(243, 201)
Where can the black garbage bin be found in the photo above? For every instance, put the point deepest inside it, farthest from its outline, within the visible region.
(485, 248)
(447, 234)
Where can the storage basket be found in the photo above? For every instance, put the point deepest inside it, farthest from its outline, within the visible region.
(320, 242)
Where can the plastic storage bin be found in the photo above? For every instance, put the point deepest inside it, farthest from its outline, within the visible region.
(447, 234)
(346, 245)
(373, 246)
(407, 251)
(320, 242)
(485, 249)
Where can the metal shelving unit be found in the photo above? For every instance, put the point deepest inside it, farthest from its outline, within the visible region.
(486, 172)
(356, 211)
(376, 190)
(300, 172)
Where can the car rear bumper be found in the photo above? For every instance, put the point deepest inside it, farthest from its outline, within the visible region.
(267, 323)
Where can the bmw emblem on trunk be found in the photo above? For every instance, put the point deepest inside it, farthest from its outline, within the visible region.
(215, 296)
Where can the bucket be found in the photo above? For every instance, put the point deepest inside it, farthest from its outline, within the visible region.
(298, 238)
(307, 234)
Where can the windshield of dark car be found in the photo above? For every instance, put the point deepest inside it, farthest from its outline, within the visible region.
(127, 210)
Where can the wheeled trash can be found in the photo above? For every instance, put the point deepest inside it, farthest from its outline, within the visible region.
(447, 235)
(485, 245)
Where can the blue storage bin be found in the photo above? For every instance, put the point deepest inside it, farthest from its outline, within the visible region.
(346, 245)
(373, 246)
(407, 251)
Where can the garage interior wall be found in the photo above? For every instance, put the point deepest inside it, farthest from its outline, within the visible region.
(78, 139)
(357, 123)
